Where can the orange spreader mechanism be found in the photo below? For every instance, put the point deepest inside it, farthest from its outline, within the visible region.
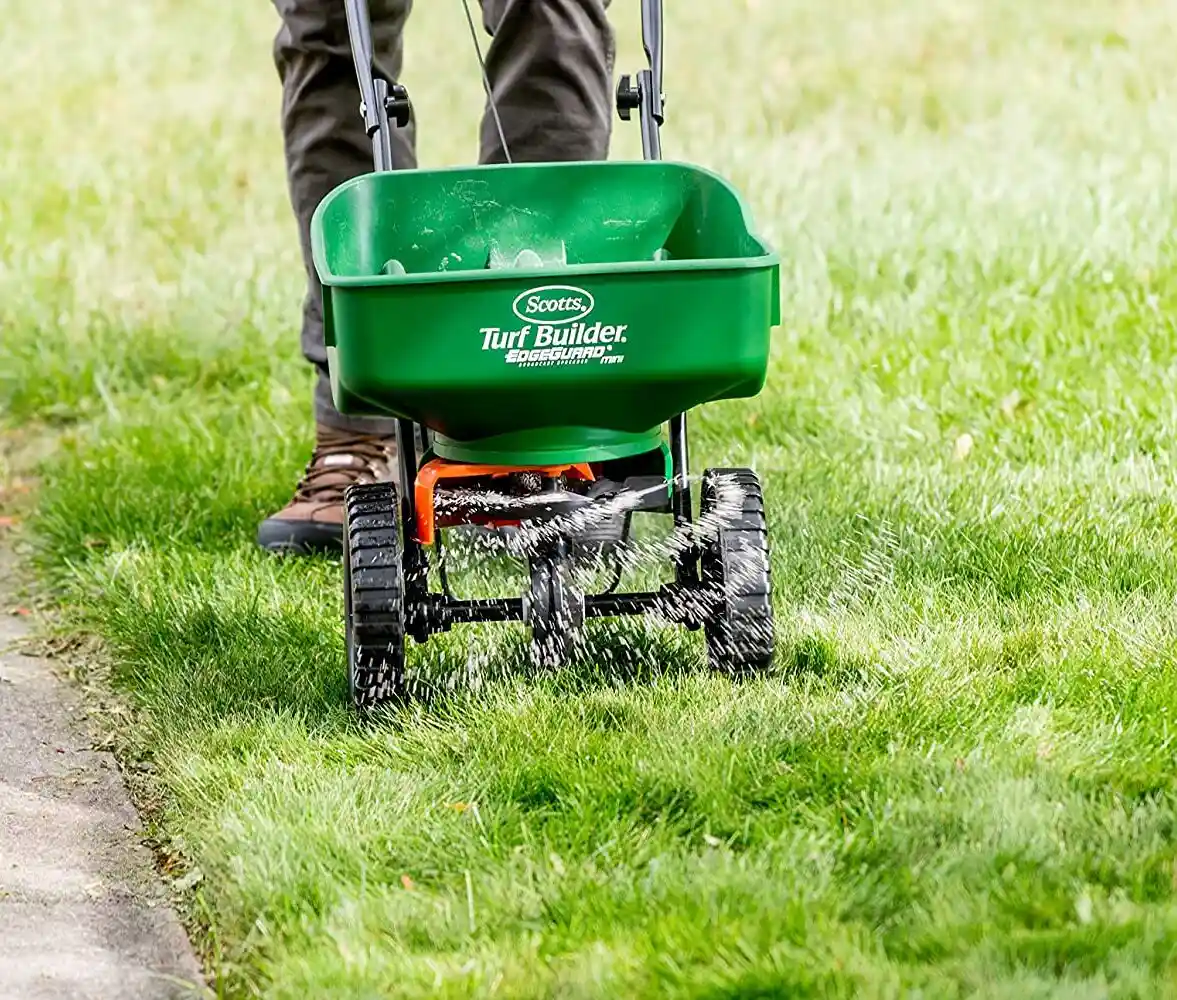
(433, 471)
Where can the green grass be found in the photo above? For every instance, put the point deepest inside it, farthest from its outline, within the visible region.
(959, 781)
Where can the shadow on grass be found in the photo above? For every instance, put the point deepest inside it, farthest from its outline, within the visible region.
(612, 654)
(196, 638)
(225, 660)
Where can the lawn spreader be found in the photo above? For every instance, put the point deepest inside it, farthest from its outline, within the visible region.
(539, 332)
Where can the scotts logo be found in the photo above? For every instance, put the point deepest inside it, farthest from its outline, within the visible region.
(553, 304)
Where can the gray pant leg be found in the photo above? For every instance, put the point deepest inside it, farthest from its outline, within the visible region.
(325, 140)
(550, 63)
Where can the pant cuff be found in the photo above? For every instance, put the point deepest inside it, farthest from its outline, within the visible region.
(325, 413)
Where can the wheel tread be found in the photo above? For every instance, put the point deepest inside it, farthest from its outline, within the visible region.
(738, 562)
(375, 599)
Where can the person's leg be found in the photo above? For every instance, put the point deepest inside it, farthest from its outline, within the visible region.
(325, 145)
(550, 66)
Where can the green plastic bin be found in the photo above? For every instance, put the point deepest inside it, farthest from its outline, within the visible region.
(542, 313)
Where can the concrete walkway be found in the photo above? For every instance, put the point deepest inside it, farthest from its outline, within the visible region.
(83, 913)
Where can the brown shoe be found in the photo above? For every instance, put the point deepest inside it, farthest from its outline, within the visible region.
(312, 523)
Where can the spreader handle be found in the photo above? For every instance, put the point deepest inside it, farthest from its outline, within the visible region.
(652, 41)
(650, 80)
(377, 96)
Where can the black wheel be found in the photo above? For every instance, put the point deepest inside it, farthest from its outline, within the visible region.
(735, 567)
(374, 617)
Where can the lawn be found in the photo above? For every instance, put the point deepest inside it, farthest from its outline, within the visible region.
(959, 778)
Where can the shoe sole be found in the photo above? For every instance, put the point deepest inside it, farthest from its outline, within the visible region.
(300, 538)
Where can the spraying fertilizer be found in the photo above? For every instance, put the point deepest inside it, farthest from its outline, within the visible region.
(534, 329)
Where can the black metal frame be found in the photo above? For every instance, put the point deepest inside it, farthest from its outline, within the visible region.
(508, 609)
(386, 102)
